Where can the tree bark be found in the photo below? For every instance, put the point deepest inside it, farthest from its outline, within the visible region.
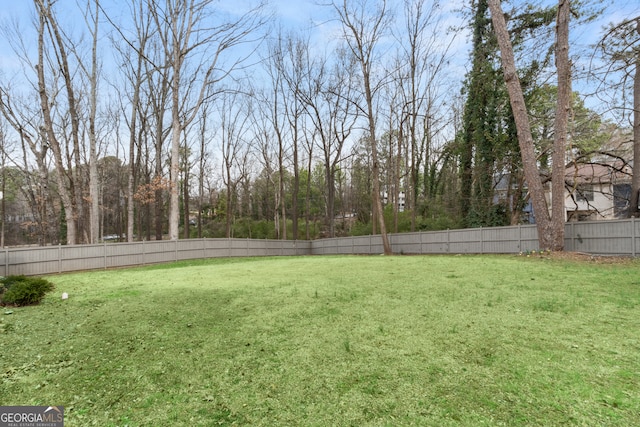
(523, 127)
(563, 106)
(634, 211)
(131, 174)
(65, 196)
(94, 193)
(362, 34)
(375, 172)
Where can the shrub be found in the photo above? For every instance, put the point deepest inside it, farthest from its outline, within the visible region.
(22, 290)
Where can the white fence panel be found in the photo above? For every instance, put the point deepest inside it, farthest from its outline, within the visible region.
(435, 242)
(30, 261)
(406, 243)
(125, 254)
(362, 245)
(216, 248)
(159, 251)
(465, 241)
(608, 238)
(85, 257)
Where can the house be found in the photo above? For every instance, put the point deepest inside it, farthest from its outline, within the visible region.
(595, 191)
(387, 198)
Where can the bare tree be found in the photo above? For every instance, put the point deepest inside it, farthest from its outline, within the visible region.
(287, 67)
(635, 181)
(309, 138)
(330, 103)
(193, 49)
(4, 149)
(203, 164)
(363, 26)
(92, 17)
(425, 46)
(266, 146)
(68, 186)
(25, 121)
(394, 139)
(234, 124)
(301, 74)
(293, 64)
(135, 75)
(620, 47)
(275, 101)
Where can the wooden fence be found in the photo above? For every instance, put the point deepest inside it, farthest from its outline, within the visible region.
(62, 258)
(618, 237)
(609, 238)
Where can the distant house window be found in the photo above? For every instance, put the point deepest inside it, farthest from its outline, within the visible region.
(584, 193)
(621, 198)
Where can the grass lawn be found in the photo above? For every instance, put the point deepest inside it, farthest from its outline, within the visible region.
(334, 341)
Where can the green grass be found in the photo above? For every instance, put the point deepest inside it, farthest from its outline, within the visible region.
(334, 341)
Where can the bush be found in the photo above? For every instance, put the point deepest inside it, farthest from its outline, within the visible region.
(22, 290)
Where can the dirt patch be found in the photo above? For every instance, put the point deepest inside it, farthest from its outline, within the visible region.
(587, 258)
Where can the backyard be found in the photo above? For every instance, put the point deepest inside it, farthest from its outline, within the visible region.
(332, 341)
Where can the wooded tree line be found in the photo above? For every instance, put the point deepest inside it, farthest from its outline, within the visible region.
(178, 118)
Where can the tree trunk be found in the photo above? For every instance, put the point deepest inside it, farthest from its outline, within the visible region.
(185, 194)
(546, 237)
(228, 200)
(563, 66)
(296, 184)
(330, 177)
(65, 196)
(131, 173)
(307, 210)
(158, 199)
(377, 203)
(634, 211)
(176, 130)
(94, 194)
(3, 206)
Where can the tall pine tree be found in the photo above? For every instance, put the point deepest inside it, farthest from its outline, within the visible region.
(482, 132)
(488, 146)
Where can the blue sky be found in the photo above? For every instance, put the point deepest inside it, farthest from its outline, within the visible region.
(302, 13)
(297, 14)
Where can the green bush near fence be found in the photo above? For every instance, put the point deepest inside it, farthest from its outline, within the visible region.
(21, 290)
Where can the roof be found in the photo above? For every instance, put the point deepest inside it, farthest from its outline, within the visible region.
(598, 173)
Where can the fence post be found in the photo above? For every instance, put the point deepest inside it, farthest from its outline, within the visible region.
(633, 237)
(573, 236)
(448, 241)
(59, 257)
(144, 253)
(6, 261)
(519, 238)
(481, 240)
(176, 250)
(104, 252)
